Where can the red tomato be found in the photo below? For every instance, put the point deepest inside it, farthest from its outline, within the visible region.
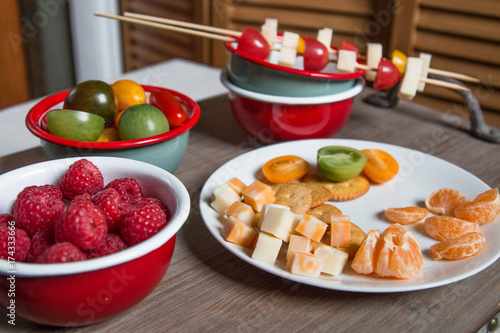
(253, 43)
(345, 45)
(315, 55)
(170, 107)
(387, 75)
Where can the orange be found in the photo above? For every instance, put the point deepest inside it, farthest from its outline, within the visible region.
(406, 215)
(116, 119)
(364, 259)
(447, 227)
(128, 93)
(381, 166)
(444, 201)
(459, 248)
(483, 209)
(399, 254)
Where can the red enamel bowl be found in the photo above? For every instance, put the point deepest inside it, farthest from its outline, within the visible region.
(165, 150)
(270, 118)
(94, 290)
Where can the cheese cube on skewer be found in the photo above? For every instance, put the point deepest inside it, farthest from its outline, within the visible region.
(290, 39)
(243, 212)
(334, 260)
(411, 79)
(238, 232)
(270, 30)
(325, 37)
(271, 22)
(373, 56)
(267, 248)
(287, 56)
(279, 222)
(305, 264)
(347, 61)
(222, 197)
(426, 58)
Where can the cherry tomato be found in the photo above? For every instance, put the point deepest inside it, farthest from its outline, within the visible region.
(315, 55)
(387, 75)
(381, 166)
(128, 93)
(339, 163)
(284, 169)
(253, 43)
(170, 106)
(345, 45)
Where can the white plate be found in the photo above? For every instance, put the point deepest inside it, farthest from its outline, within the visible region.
(420, 174)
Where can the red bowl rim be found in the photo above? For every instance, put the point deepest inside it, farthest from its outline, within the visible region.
(38, 111)
(296, 71)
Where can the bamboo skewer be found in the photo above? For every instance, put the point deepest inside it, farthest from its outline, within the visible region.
(454, 75)
(221, 34)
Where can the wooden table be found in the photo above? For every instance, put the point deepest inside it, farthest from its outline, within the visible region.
(209, 289)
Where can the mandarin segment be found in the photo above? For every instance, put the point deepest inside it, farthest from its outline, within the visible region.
(483, 209)
(364, 260)
(406, 215)
(459, 248)
(447, 227)
(444, 201)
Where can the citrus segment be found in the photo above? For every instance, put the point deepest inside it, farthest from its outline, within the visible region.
(406, 215)
(483, 209)
(381, 166)
(444, 201)
(364, 260)
(459, 248)
(447, 227)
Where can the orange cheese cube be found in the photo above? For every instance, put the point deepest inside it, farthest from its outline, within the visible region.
(299, 243)
(311, 227)
(243, 212)
(238, 232)
(304, 263)
(340, 231)
(236, 184)
(257, 194)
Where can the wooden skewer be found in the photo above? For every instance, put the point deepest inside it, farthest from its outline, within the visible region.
(454, 75)
(169, 27)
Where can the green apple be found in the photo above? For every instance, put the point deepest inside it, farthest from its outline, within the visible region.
(142, 121)
(75, 125)
(93, 96)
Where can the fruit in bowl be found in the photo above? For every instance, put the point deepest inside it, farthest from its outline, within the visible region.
(163, 144)
(75, 282)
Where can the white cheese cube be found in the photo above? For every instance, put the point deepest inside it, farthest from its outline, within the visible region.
(271, 22)
(311, 227)
(426, 58)
(267, 248)
(411, 79)
(325, 36)
(269, 33)
(264, 210)
(305, 264)
(287, 56)
(334, 260)
(243, 212)
(347, 61)
(279, 222)
(222, 197)
(299, 243)
(291, 39)
(373, 56)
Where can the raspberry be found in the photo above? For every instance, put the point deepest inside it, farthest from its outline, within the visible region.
(82, 224)
(19, 246)
(128, 188)
(140, 223)
(111, 203)
(146, 201)
(37, 208)
(40, 243)
(112, 244)
(82, 197)
(52, 190)
(5, 219)
(63, 252)
(82, 177)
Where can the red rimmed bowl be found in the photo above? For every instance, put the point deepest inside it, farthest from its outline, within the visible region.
(94, 290)
(270, 118)
(165, 150)
(267, 77)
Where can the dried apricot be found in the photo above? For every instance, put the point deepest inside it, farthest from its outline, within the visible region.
(447, 227)
(444, 201)
(459, 248)
(483, 209)
(406, 215)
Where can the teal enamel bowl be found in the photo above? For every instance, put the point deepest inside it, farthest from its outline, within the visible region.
(165, 150)
(267, 77)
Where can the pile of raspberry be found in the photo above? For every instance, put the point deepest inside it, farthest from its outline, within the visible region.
(80, 218)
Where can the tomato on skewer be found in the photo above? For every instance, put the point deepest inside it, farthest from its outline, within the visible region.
(387, 75)
(315, 55)
(253, 43)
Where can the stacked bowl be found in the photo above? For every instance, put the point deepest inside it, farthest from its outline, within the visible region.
(275, 103)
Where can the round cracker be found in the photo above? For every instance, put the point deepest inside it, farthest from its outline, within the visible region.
(297, 196)
(341, 191)
(324, 212)
(320, 194)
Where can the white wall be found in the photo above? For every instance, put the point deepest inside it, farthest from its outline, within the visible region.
(96, 41)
